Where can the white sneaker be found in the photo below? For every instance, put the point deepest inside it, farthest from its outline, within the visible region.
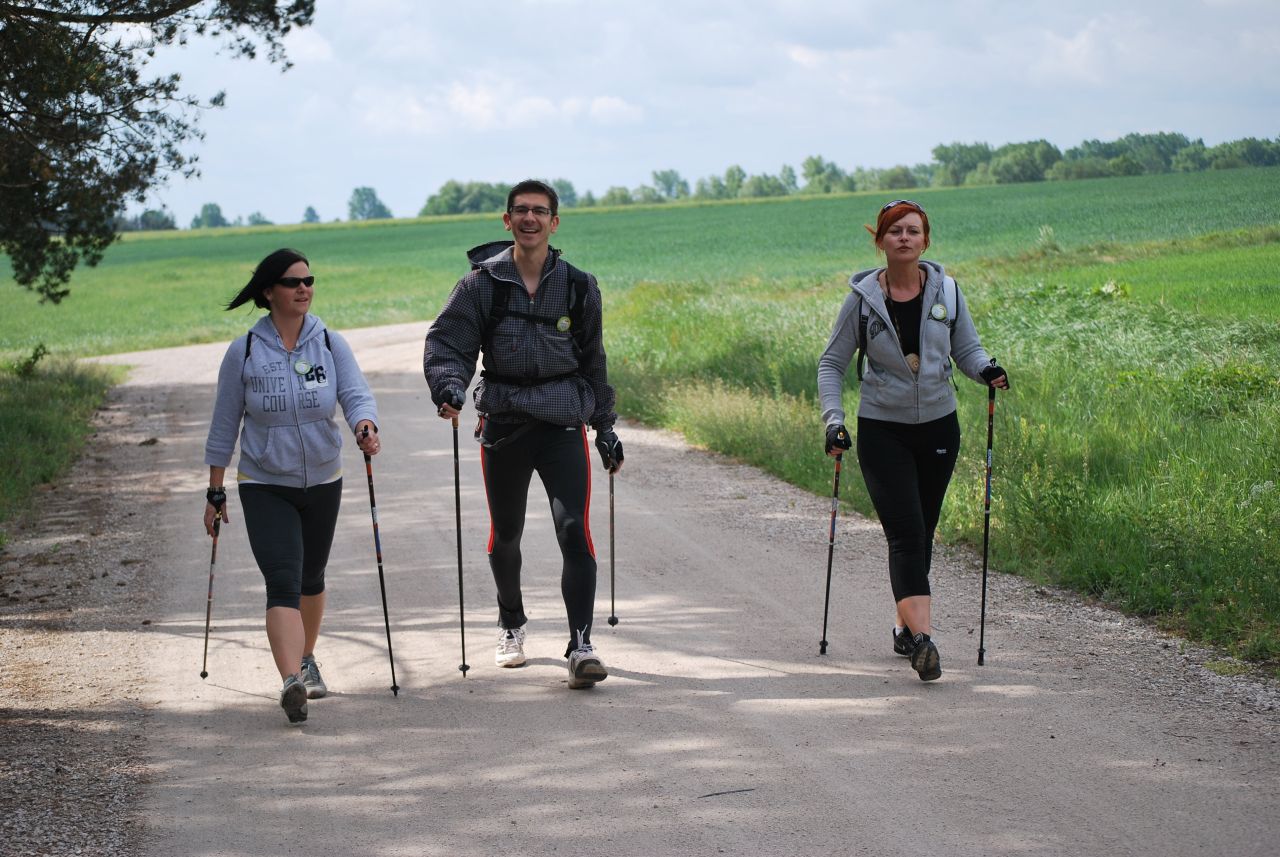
(510, 648)
(585, 668)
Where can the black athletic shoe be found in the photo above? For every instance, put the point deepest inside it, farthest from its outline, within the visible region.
(904, 642)
(924, 659)
(293, 699)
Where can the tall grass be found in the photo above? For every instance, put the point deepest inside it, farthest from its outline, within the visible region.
(1137, 455)
(44, 420)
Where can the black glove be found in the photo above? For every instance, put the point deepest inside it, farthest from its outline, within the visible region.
(992, 372)
(216, 497)
(610, 449)
(451, 396)
(838, 438)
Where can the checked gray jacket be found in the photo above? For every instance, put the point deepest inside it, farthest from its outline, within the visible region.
(520, 348)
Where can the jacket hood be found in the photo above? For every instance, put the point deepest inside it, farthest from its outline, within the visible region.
(495, 252)
(870, 286)
(266, 331)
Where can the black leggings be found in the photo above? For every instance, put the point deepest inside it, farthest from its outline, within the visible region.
(561, 457)
(290, 532)
(907, 468)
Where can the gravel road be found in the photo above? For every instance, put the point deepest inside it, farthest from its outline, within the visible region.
(720, 729)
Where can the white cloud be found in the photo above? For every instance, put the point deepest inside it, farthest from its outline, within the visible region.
(1083, 56)
(612, 110)
(805, 56)
(307, 45)
(484, 106)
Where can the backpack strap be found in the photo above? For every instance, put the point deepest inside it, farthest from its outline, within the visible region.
(248, 343)
(862, 334)
(575, 312)
(578, 285)
(949, 300)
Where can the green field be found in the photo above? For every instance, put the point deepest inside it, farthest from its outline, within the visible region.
(1137, 456)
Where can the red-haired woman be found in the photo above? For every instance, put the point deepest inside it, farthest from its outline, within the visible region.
(909, 320)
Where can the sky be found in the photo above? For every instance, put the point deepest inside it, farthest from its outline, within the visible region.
(404, 95)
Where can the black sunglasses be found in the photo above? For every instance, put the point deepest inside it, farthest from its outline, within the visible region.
(294, 282)
(910, 202)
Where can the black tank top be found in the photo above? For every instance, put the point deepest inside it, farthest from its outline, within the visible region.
(906, 322)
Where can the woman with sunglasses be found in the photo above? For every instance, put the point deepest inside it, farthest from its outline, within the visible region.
(277, 388)
(909, 321)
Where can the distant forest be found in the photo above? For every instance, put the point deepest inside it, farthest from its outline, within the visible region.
(953, 164)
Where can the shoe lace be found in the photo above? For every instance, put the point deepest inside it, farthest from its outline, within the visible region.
(310, 670)
(511, 640)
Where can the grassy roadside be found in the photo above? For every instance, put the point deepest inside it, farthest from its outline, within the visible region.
(44, 419)
(1137, 458)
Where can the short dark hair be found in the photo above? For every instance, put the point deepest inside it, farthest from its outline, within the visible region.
(266, 275)
(535, 186)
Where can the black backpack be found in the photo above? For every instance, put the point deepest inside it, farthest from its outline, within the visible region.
(574, 313)
(577, 302)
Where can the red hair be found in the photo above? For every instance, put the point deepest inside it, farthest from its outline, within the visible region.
(894, 213)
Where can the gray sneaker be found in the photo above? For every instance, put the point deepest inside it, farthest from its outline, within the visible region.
(585, 668)
(316, 687)
(510, 651)
(293, 699)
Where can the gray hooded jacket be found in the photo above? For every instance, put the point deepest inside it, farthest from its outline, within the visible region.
(285, 401)
(890, 390)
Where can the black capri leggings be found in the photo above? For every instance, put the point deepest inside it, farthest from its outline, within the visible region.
(290, 532)
(907, 468)
(561, 457)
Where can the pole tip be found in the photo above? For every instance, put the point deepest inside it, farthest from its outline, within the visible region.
(203, 674)
(981, 658)
(395, 690)
(464, 667)
(613, 620)
(822, 647)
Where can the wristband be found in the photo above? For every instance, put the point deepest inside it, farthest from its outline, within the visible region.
(216, 497)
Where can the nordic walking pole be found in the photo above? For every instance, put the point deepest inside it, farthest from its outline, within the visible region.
(831, 550)
(457, 506)
(613, 613)
(208, 608)
(377, 550)
(986, 522)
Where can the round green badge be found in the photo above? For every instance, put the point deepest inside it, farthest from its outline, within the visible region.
(939, 312)
(563, 323)
(302, 367)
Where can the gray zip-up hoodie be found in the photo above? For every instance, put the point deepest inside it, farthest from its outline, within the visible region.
(285, 401)
(890, 390)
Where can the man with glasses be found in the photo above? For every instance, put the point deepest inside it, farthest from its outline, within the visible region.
(535, 319)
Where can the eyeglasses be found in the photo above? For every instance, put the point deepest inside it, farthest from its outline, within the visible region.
(522, 210)
(910, 202)
(294, 282)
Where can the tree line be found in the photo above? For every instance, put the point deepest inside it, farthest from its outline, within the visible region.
(953, 164)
